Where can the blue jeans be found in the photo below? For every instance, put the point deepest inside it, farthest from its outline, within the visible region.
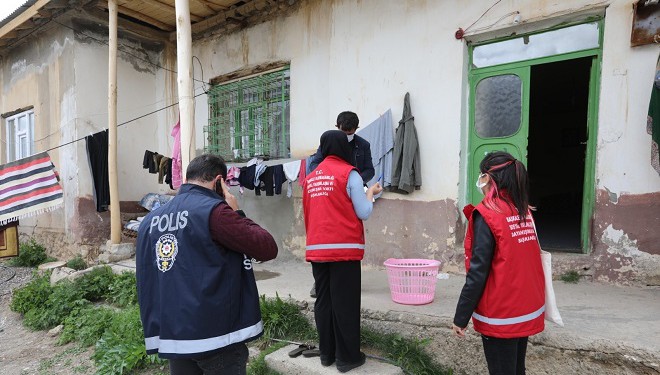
(229, 361)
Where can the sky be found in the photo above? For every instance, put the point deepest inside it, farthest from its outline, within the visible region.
(8, 6)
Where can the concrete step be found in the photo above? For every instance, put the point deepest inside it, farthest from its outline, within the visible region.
(282, 363)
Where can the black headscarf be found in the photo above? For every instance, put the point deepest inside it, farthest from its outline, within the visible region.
(335, 142)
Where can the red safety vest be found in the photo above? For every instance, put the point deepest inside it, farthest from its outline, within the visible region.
(513, 302)
(334, 232)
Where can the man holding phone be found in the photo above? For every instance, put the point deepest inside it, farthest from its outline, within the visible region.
(197, 293)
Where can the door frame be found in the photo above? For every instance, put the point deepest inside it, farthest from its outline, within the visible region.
(476, 74)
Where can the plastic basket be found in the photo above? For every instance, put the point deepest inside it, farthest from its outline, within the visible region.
(412, 281)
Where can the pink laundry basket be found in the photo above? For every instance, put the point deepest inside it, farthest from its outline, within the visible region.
(412, 281)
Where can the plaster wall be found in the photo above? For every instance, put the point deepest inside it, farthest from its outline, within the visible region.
(41, 74)
(364, 56)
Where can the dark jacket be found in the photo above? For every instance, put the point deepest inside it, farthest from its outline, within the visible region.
(361, 158)
(196, 295)
(406, 165)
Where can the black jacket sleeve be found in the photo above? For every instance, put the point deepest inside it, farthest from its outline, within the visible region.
(482, 255)
(364, 163)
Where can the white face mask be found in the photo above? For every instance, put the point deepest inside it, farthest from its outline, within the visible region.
(350, 137)
(480, 185)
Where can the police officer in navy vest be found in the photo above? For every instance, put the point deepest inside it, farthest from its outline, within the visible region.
(196, 289)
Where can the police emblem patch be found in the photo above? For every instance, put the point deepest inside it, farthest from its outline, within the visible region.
(166, 250)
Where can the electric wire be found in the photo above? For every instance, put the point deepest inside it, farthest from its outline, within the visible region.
(484, 13)
(123, 123)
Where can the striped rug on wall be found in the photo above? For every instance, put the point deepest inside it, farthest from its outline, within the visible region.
(28, 187)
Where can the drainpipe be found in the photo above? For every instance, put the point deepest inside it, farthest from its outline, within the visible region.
(115, 214)
(185, 82)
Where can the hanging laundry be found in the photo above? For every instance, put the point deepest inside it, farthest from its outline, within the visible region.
(653, 120)
(380, 135)
(28, 187)
(232, 176)
(168, 173)
(260, 167)
(266, 180)
(162, 168)
(278, 178)
(246, 177)
(148, 160)
(291, 171)
(177, 173)
(157, 158)
(302, 173)
(97, 154)
(406, 167)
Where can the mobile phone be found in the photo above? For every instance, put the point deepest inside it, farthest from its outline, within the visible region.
(218, 188)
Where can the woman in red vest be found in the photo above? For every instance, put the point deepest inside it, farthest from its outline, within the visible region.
(504, 287)
(334, 204)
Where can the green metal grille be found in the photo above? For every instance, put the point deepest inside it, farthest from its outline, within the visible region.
(249, 118)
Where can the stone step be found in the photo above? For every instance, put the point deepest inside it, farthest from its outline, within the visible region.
(282, 363)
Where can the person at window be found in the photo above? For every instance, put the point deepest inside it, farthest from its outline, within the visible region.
(334, 205)
(504, 289)
(197, 293)
(348, 122)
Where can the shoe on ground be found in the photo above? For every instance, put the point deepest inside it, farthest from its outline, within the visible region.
(327, 360)
(346, 367)
(312, 293)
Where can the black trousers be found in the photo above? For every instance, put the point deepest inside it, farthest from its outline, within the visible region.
(230, 361)
(337, 309)
(505, 356)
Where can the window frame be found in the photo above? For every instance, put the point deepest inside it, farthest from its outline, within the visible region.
(14, 135)
(250, 117)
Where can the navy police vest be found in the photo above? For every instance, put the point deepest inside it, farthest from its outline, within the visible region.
(195, 297)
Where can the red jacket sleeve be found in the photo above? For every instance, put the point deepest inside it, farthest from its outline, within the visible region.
(240, 234)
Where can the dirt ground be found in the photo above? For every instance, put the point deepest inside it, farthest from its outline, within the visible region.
(25, 352)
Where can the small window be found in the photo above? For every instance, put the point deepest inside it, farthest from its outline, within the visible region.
(250, 117)
(498, 106)
(554, 42)
(20, 135)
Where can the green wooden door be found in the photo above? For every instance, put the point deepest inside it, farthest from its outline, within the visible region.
(499, 118)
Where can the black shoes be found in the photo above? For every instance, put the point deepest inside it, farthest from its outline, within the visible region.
(312, 293)
(327, 360)
(346, 367)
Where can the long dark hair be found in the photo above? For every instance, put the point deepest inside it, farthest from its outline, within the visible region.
(510, 182)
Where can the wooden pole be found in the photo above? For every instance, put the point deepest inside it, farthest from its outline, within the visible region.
(115, 214)
(185, 82)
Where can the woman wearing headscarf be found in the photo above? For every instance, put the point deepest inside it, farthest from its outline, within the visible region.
(334, 204)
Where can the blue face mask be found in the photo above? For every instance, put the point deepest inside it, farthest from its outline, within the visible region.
(480, 185)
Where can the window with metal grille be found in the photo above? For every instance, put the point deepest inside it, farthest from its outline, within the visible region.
(250, 117)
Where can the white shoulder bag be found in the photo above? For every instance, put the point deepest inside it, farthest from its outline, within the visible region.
(551, 310)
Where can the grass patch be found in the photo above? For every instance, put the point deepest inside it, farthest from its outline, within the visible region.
(258, 365)
(283, 319)
(122, 291)
(77, 263)
(30, 254)
(121, 348)
(406, 353)
(86, 325)
(571, 277)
